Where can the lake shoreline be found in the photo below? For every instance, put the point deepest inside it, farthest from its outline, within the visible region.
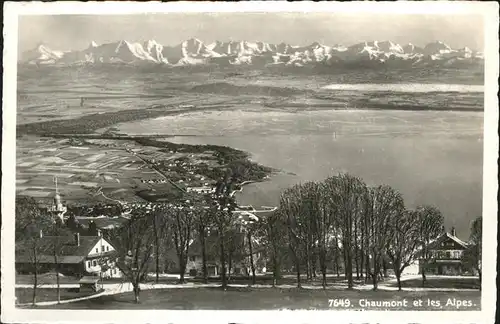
(93, 123)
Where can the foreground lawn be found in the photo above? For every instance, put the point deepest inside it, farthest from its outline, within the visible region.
(25, 295)
(457, 283)
(269, 298)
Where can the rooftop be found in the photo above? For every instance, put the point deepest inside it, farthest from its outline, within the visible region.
(67, 249)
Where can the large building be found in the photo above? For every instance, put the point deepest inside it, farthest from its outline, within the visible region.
(241, 264)
(74, 256)
(445, 255)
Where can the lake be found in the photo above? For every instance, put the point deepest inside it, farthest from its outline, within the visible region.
(431, 157)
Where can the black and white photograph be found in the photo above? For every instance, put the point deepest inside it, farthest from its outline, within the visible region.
(198, 157)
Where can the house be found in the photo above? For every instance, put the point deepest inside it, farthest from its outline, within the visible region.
(76, 256)
(201, 190)
(445, 256)
(241, 264)
(102, 223)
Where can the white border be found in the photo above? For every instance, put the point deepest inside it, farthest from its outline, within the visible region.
(489, 10)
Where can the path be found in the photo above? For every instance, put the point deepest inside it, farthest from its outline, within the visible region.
(118, 288)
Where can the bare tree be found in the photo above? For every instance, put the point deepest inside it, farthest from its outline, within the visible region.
(251, 227)
(160, 229)
(202, 221)
(323, 226)
(31, 251)
(274, 228)
(30, 225)
(182, 222)
(346, 200)
(384, 204)
(235, 247)
(290, 207)
(403, 242)
(431, 227)
(309, 211)
(223, 205)
(472, 255)
(134, 244)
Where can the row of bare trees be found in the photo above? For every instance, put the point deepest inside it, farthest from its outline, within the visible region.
(31, 224)
(340, 222)
(154, 229)
(342, 218)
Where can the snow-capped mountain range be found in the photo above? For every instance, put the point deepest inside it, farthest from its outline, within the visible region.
(195, 52)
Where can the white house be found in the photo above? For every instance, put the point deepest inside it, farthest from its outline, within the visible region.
(77, 256)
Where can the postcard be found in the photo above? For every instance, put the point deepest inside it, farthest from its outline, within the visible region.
(249, 162)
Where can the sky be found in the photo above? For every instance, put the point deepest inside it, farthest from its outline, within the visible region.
(75, 32)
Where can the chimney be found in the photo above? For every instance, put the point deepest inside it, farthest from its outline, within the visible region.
(77, 239)
(453, 232)
(99, 233)
(41, 233)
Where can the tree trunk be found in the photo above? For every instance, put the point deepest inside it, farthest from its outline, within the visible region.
(58, 288)
(313, 270)
(157, 249)
(384, 266)
(344, 256)
(297, 269)
(423, 276)
(336, 262)
(375, 277)
(322, 265)
(398, 278)
(362, 252)
(252, 265)
(35, 279)
(182, 266)
(223, 262)
(314, 261)
(348, 263)
(204, 256)
(356, 260)
(480, 285)
(275, 270)
(424, 263)
(136, 292)
(308, 262)
(58, 285)
(356, 250)
(349, 272)
(229, 265)
(361, 263)
(157, 259)
(368, 268)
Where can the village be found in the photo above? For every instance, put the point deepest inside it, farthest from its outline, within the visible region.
(199, 235)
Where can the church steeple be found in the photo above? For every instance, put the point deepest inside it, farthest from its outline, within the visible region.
(57, 209)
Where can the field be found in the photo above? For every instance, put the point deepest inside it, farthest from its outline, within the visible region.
(442, 293)
(118, 96)
(271, 299)
(92, 170)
